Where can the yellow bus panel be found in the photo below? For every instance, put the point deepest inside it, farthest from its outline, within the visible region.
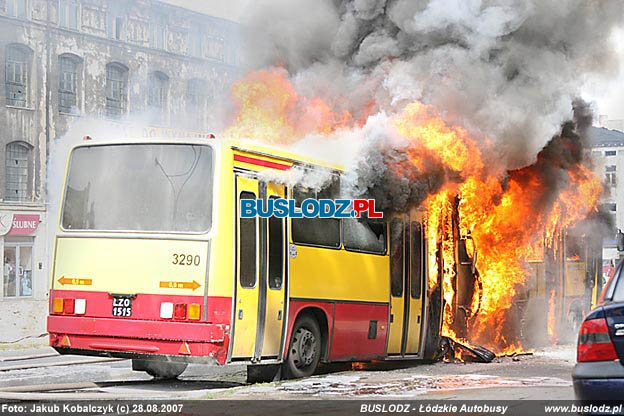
(321, 273)
(131, 266)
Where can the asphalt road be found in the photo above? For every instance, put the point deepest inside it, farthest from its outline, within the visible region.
(543, 375)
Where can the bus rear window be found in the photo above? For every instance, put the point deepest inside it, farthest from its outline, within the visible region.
(139, 187)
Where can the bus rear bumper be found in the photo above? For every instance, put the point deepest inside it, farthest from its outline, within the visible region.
(188, 342)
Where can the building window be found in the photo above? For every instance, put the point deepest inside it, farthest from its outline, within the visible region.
(196, 94)
(16, 8)
(68, 14)
(195, 42)
(157, 91)
(611, 179)
(17, 169)
(116, 19)
(196, 98)
(216, 47)
(68, 83)
(610, 153)
(157, 33)
(115, 27)
(116, 90)
(17, 69)
(611, 168)
(18, 272)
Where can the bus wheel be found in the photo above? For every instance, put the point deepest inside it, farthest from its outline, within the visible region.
(160, 370)
(304, 351)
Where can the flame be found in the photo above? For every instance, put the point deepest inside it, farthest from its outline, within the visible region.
(508, 217)
(269, 109)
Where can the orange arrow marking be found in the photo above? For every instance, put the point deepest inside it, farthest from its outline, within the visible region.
(180, 285)
(77, 282)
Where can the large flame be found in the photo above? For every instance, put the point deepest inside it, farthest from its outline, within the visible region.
(505, 215)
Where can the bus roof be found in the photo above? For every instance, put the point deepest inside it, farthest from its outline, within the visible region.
(280, 152)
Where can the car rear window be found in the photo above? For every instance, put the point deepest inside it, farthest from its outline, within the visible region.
(618, 294)
(609, 289)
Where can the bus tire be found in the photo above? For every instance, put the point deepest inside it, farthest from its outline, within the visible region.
(160, 370)
(304, 348)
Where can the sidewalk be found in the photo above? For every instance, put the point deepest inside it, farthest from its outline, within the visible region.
(24, 346)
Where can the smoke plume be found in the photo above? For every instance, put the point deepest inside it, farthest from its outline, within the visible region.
(506, 70)
(441, 98)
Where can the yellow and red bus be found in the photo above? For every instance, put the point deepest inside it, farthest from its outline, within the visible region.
(153, 262)
(564, 281)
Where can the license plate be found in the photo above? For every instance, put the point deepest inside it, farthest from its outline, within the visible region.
(122, 306)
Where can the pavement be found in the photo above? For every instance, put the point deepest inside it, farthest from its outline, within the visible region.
(543, 375)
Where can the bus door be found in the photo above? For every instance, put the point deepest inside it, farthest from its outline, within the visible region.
(406, 287)
(245, 322)
(260, 277)
(275, 283)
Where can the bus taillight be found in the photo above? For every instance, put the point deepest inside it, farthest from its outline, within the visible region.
(80, 306)
(166, 310)
(68, 306)
(57, 305)
(194, 311)
(179, 311)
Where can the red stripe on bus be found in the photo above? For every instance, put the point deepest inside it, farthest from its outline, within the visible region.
(101, 345)
(136, 329)
(261, 162)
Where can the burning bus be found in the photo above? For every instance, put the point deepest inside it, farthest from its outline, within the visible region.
(154, 262)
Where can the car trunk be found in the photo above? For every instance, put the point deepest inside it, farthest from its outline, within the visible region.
(614, 313)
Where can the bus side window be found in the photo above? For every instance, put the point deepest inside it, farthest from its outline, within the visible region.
(247, 241)
(276, 251)
(324, 232)
(416, 259)
(396, 258)
(365, 235)
(574, 248)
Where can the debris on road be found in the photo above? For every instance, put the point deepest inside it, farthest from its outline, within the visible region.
(452, 350)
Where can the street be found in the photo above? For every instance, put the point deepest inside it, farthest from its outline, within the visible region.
(41, 374)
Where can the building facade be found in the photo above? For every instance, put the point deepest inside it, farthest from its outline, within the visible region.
(608, 157)
(69, 60)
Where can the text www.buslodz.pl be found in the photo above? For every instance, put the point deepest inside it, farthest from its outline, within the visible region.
(310, 208)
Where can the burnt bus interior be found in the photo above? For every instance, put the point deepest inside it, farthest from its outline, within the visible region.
(563, 282)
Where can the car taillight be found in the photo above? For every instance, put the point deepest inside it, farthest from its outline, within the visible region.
(179, 311)
(594, 342)
(68, 306)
